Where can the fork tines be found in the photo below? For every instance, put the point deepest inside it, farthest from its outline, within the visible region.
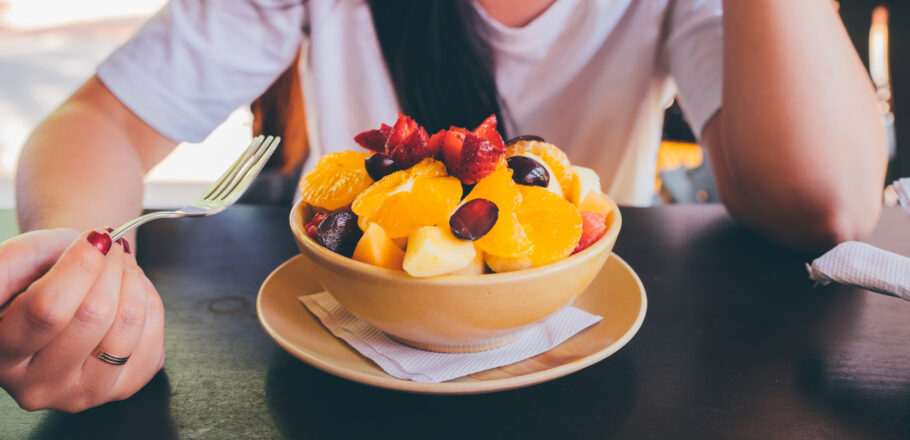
(244, 168)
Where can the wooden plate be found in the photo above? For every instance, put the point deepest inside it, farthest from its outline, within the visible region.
(616, 294)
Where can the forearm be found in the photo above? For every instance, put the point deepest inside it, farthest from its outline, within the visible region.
(803, 144)
(83, 166)
(74, 173)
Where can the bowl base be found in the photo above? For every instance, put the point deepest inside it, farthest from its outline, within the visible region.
(440, 348)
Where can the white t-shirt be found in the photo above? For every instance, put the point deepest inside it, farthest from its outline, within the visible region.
(591, 76)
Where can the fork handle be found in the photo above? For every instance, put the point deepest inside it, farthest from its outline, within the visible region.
(141, 220)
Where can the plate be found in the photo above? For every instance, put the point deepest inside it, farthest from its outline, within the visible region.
(616, 294)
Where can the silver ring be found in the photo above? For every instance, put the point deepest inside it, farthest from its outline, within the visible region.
(109, 358)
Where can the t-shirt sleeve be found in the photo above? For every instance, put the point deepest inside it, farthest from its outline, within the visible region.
(196, 61)
(694, 50)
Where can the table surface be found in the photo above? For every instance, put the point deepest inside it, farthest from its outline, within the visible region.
(737, 343)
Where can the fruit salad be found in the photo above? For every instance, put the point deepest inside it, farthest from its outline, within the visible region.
(458, 202)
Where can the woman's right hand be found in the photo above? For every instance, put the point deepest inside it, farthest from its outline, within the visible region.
(75, 298)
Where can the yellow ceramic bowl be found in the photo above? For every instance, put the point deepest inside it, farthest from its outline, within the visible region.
(458, 313)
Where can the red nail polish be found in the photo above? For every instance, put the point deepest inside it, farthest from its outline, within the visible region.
(125, 244)
(109, 229)
(102, 242)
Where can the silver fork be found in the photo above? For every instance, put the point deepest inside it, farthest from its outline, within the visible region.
(221, 194)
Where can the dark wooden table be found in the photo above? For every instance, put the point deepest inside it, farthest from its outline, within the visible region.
(736, 344)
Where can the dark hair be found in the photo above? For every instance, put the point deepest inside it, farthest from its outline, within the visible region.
(439, 60)
(440, 64)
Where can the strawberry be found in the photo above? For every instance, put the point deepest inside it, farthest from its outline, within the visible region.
(472, 160)
(435, 142)
(406, 142)
(403, 128)
(312, 227)
(593, 227)
(374, 139)
(452, 141)
(487, 130)
(412, 149)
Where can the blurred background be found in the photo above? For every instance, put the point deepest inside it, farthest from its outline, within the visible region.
(48, 47)
(877, 28)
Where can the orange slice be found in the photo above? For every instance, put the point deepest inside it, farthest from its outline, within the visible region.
(555, 158)
(404, 201)
(553, 225)
(507, 238)
(498, 188)
(336, 180)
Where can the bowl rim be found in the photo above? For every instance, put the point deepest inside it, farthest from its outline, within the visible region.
(605, 243)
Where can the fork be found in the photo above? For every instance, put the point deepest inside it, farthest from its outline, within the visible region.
(220, 195)
(223, 193)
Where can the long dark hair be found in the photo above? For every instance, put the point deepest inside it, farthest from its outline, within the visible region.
(440, 63)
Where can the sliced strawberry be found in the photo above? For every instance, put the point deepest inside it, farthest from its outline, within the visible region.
(312, 227)
(488, 124)
(374, 139)
(413, 149)
(487, 130)
(403, 128)
(478, 159)
(433, 147)
(406, 142)
(451, 146)
(435, 142)
(593, 226)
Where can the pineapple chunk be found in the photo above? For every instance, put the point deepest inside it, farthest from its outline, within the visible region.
(475, 267)
(507, 264)
(585, 180)
(435, 251)
(376, 248)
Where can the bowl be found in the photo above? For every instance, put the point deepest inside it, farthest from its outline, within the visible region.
(453, 313)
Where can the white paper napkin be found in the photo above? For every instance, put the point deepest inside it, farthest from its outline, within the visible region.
(866, 266)
(902, 188)
(403, 362)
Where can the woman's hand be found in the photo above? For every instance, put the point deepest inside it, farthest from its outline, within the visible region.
(75, 298)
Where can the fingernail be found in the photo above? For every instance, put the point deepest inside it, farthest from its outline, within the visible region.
(109, 229)
(102, 242)
(125, 244)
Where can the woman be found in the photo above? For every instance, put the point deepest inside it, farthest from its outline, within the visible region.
(773, 89)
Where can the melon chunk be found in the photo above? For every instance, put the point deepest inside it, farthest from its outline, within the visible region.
(435, 251)
(600, 204)
(376, 248)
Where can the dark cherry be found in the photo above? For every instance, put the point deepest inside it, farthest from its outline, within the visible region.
(339, 232)
(474, 219)
(379, 165)
(524, 137)
(527, 171)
